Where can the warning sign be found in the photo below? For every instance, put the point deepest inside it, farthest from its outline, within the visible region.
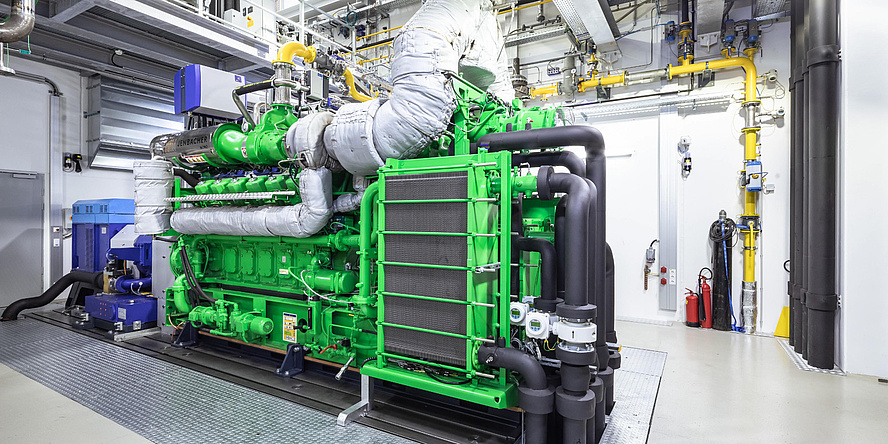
(289, 322)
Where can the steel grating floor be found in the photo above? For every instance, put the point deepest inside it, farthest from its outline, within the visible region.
(636, 385)
(161, 401)
(190, 406)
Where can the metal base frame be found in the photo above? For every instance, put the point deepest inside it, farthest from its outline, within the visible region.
(361, 408)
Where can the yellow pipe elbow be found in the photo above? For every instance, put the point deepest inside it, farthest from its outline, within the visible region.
(352, 91)
(292, 49)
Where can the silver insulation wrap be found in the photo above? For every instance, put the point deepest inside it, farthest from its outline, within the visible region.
(305, 142)
(750, 307)
(153, 183)
(300, 220)
(363, 135)
(485, 65)
(351, 201)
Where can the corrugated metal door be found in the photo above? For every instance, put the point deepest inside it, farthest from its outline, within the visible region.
(21, 236)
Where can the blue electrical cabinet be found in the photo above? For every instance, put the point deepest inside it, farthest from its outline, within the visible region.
(94, 223)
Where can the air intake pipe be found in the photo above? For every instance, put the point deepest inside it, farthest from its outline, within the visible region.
(535, 396)
(94, 279)
(20, 21)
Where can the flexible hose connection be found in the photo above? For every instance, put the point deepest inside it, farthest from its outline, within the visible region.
(94, 279)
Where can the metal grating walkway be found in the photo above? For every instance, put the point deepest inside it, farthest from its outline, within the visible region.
(636, 385)
(161, 401)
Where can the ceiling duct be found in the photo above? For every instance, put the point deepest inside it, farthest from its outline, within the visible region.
(595, 22)
(709, 16)
(764, 8)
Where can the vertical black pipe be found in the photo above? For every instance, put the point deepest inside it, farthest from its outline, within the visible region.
(822, 298)
(685, 11)
(797, 130)
(801, 345)
(561, 242)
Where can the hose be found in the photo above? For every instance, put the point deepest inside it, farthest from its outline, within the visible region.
(190, 278)
(94, 279)
(186, 177)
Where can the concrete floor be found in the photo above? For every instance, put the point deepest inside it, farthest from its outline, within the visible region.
(717, 387)
(33, 413)
(728, 388)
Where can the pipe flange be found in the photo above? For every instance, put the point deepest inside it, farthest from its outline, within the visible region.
(547, 305)
(537, 401)
(578, 408)
(582, 312)
(576, 356)
(615, 361)
(543, 189)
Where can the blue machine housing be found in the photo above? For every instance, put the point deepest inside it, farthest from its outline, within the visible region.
(94, 223)
(124, 309)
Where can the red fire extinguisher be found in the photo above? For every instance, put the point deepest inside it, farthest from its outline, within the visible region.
(693, 309)
(706, 296)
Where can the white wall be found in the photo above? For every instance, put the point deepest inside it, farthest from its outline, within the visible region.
(864, 304)
(25, 145)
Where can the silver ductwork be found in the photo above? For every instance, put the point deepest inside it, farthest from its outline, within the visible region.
(363, 135)
(20, 21)
(301, 220)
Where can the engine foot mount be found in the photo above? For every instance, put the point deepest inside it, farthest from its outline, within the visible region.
(362, 408)
(187, 337)
(293, 363)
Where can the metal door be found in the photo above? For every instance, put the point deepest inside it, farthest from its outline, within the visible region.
(21, 236)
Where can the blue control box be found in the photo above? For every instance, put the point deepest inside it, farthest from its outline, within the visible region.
(122, 308)
(199, 89)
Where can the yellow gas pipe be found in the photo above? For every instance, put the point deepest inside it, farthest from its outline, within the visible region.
(751, 131)
(292, 49)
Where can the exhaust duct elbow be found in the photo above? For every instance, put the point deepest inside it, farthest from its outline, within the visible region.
(20, 22)
(363, 135)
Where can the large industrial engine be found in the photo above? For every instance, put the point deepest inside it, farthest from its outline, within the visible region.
(421, 236)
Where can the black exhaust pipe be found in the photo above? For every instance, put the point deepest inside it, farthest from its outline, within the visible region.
(55, 290)
(797, 173)
(822, 297)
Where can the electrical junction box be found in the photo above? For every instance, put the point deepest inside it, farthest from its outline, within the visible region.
(236, 18)
(754, 175)
(125, 309)
(197, 90)
(318, 85)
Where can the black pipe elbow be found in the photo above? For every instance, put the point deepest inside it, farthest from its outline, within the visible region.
(548, 270)
(567, 159)
(186, 177)
(513, 359)
(96, 279)
(536, 397)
